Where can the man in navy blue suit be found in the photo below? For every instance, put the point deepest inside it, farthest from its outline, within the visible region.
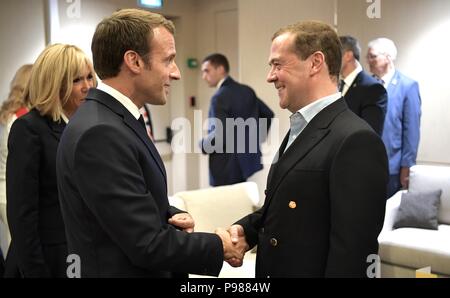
(239, 122)
(111, 179)
(364, 95)
(401, 132)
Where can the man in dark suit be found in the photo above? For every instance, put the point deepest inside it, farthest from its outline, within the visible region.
(325, 196)
(111, 179)
(401, 132)
(364, 95)
(234, 145)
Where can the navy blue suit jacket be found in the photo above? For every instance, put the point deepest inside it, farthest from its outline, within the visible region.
(236, 155)
(367, 98)
(113, 192)
(401, 132)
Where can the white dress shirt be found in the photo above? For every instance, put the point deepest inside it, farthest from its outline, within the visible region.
(348, 80)
(310, 111)
(388, 77)
(124, 100)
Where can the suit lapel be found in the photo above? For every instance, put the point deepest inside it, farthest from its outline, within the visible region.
(129, 120)
(393, 83)
(310, 137)
(134, 124)
(277, 158)
(298, 150)
(354, 84)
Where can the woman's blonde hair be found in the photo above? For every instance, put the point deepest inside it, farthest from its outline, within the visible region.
(16, 99)
(52, 78)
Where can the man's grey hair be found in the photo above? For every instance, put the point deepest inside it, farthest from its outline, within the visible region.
(384, 46)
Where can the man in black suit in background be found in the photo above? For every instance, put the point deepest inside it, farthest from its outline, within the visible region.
(325, 196)
(364, 95)
(238, 156)
(111, 179)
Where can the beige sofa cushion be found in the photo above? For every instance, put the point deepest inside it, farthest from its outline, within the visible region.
(430, 178)
(177, 202)
(417, 248)
(219, 206)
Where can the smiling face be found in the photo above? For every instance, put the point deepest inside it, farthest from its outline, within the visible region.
(81, 85)
(157, 75)
(288, 73)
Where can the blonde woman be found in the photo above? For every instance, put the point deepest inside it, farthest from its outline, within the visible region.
(12, 108)
(59, 82)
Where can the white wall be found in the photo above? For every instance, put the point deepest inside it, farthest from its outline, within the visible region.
(22, 35)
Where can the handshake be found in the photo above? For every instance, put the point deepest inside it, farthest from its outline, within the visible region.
(234, 244)
(233, 239)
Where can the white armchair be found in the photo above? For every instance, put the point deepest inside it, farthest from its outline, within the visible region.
(404, 250)
(220, 207)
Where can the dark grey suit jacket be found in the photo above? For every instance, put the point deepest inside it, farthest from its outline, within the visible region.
(325, 200)
(113, 192)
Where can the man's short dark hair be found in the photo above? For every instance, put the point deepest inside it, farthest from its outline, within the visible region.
(218, 60)
(349, 43)
(126, 29)
(313, 36)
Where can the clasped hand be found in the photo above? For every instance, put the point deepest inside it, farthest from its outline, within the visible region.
(234, 244)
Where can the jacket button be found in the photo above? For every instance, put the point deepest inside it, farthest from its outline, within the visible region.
(292, 205)
(262, 230)
(265, 192)
(273, 242)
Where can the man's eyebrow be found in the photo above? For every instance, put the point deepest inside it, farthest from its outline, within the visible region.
(274, 60)
(171, 56)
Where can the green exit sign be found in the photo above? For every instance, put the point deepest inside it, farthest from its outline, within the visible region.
(192, 63)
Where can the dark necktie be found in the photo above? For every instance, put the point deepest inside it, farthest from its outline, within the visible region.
(141, 121)
(341, 85)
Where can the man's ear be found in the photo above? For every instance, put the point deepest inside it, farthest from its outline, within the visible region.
(317, 62)
(132, 61)
(347, 55)
(221, 70)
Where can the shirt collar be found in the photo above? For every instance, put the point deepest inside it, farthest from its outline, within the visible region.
(388, 77)
(314, 108)
(124, 100)
(64, 118)
(221, 82)
(352, 76)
